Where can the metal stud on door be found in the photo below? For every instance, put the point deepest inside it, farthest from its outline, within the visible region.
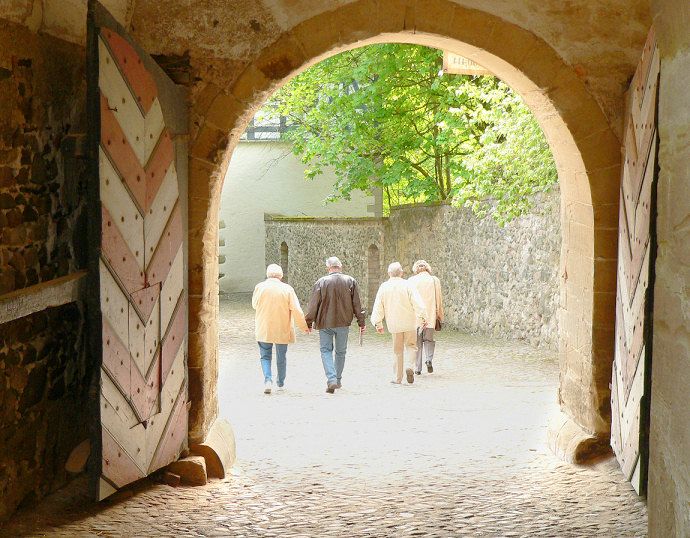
(142, 267)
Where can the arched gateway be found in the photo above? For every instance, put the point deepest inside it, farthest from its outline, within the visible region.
(586, 151)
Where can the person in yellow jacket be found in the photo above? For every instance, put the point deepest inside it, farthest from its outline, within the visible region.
(400, 304)
(429, 287)
(277, 309)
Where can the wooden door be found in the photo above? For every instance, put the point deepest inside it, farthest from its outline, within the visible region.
(636, 253)
(139, 192)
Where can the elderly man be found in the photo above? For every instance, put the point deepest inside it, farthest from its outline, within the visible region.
(429, 288)
(399, 302)
(277, 307)
(334, 302)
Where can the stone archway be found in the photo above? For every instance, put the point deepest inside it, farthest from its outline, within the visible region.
(586, 151)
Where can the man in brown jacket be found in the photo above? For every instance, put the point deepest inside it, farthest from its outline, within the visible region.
(334, 302)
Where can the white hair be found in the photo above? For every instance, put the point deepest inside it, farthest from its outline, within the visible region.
(395, 269)
(274, 271)
(333, 261)
(421, 265)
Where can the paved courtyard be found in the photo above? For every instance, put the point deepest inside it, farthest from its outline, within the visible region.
(461, 452)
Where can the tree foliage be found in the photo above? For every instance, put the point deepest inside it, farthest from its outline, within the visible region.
(385, 115)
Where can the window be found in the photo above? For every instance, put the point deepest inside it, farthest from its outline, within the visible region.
(284, 260)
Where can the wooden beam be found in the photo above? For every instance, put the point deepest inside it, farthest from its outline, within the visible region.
(26, 301)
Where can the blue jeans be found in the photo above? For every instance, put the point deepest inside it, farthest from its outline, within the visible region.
(266, 350)
(334, 372)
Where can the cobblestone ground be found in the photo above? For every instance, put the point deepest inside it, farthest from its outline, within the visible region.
(461, 452)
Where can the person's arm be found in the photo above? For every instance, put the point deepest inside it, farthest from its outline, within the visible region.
(439, 299)
(417, 304)
(255, 296)
(357, 305)
(297, 313)
(313, 305)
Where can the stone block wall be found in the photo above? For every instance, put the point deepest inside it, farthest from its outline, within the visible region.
(42, 400)
(497, 281)
(311, 240)
(41, 136)
(43, 367)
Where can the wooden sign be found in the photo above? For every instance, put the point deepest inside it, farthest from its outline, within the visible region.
(454, 64)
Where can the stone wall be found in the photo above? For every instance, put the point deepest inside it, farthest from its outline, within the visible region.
(669, 464)
(41, 127)
(42, 401)
(43, 373)
(311, 240)
(498, 281)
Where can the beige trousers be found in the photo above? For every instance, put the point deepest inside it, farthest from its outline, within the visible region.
(402, 341)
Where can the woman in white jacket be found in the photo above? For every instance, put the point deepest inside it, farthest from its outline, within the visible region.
(429, 288)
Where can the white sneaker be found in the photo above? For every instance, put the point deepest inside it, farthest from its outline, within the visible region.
(267, 387)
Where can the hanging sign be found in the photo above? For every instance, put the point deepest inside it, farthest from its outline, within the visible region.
(455, 64)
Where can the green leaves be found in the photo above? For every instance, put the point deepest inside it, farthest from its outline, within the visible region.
(385, 116)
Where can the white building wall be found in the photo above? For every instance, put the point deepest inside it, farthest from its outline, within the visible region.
(265, 177)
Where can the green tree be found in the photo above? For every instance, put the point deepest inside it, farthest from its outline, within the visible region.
(511, 163)
(385, 115)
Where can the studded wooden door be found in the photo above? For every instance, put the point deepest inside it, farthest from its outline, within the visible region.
(636, 253)
(141, 267)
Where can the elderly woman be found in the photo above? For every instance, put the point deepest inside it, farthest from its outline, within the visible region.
(277, 309)
(429, 288)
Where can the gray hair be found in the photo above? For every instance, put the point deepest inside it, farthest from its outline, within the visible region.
(274, 271)
(395, 269)
(421, 265)
(333, 261)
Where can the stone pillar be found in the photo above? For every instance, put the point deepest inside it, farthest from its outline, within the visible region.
(669, 465)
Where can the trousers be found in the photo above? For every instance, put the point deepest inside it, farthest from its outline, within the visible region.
(327, 339)
(265, 351)
(425, 346)
(402, 342)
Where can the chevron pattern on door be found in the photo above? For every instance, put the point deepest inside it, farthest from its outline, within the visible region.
(143, 398)
(629, 398)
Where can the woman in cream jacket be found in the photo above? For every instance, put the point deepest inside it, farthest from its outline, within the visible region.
(429, 288)
(277, 309)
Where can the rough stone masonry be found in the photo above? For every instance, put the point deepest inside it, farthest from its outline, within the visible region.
(44, 372)
(500, 281)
